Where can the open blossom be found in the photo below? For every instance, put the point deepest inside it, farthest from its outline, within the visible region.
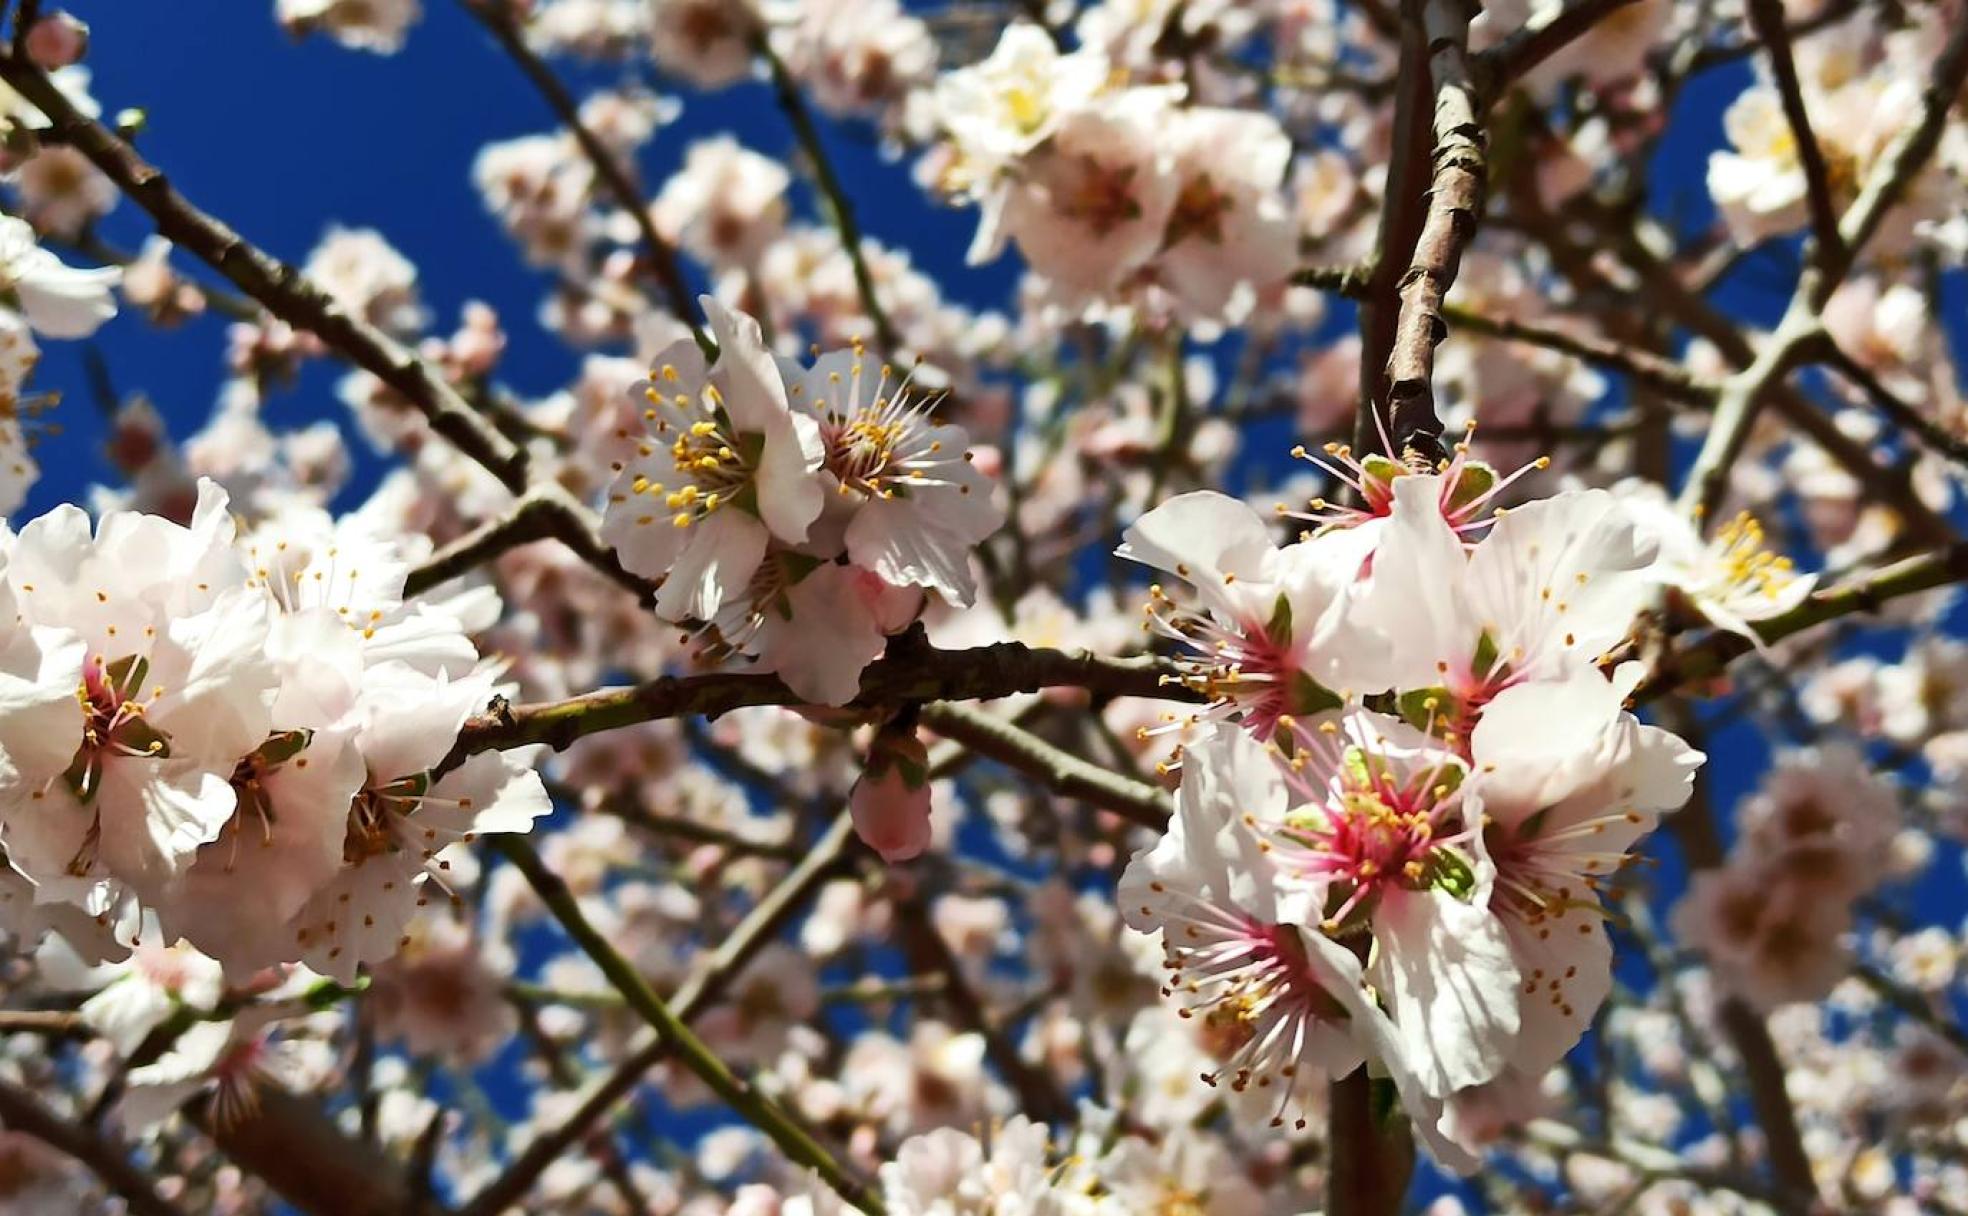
(59, 301)
(402, 820)
(945, 1172)
(1555, 583)
(365, 275)
(1271, 628)
(1731, 578)
(726, 205)
(1230, 233)
(705, 42)
(364, 25)
(1091, 205)
(1567, 784)
(163, 650)
(229, 1059)
(996, 111)
(724, 467)
(907, 502)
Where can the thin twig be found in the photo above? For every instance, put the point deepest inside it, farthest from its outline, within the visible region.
(786, 90)
(1058, 770)
(1766, 17)
(758, 1109)
(282, 289)
(708, 982)
(497, 19)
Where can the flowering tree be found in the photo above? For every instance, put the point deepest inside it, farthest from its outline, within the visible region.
(736, 782)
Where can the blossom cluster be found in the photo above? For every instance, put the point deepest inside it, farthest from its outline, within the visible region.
(957, 875)
(799, 514)
(238, 739)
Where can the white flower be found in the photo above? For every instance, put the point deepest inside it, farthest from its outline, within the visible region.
(996, 111)
(1732, 578)
(947, 1173)
(726, 467)
(364, 25)
(816, 625)
(230, 1059)
(165, 653)
(1566, 783)
(402, 820)
(1230, 233)
(1263, 990)
(368, 277)
(1090, 206)
(1378, 838)
(59, 301)
(1272, 630)
(725, 205)
(706, 42)
(908, 503)
(1554, 584)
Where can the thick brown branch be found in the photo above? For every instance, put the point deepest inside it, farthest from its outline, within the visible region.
(20, 1111)
(1455, 203)
(981, 673)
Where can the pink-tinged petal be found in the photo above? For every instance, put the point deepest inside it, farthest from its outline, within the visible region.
(831, 637)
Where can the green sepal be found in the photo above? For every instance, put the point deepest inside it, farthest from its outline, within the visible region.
(281, 747)
(1308, 696)
(1476, 479)
(1423, 708)
(1279, 627)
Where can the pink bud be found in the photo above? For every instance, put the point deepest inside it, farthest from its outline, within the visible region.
(890, 803)
(57, 40)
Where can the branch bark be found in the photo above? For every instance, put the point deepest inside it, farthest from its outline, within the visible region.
(282, 289)
(980, 673)
(20, 1111)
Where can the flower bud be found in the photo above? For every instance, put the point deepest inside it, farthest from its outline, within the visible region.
(890, 803)
(57, 40)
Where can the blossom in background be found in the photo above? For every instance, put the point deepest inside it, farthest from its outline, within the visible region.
(364, 25)
(59, 301)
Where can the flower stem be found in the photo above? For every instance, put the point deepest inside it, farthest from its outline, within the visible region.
(1369, 1151)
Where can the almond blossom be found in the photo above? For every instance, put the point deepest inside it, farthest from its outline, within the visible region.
(724, 468)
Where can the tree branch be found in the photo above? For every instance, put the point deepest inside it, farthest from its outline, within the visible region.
(786, 90)
(20, 1111)
(278, 286)
(1766, 17)
(1058, 770)
(1455, 202)
(758, 1109)
(496, 17)
(980, 673)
